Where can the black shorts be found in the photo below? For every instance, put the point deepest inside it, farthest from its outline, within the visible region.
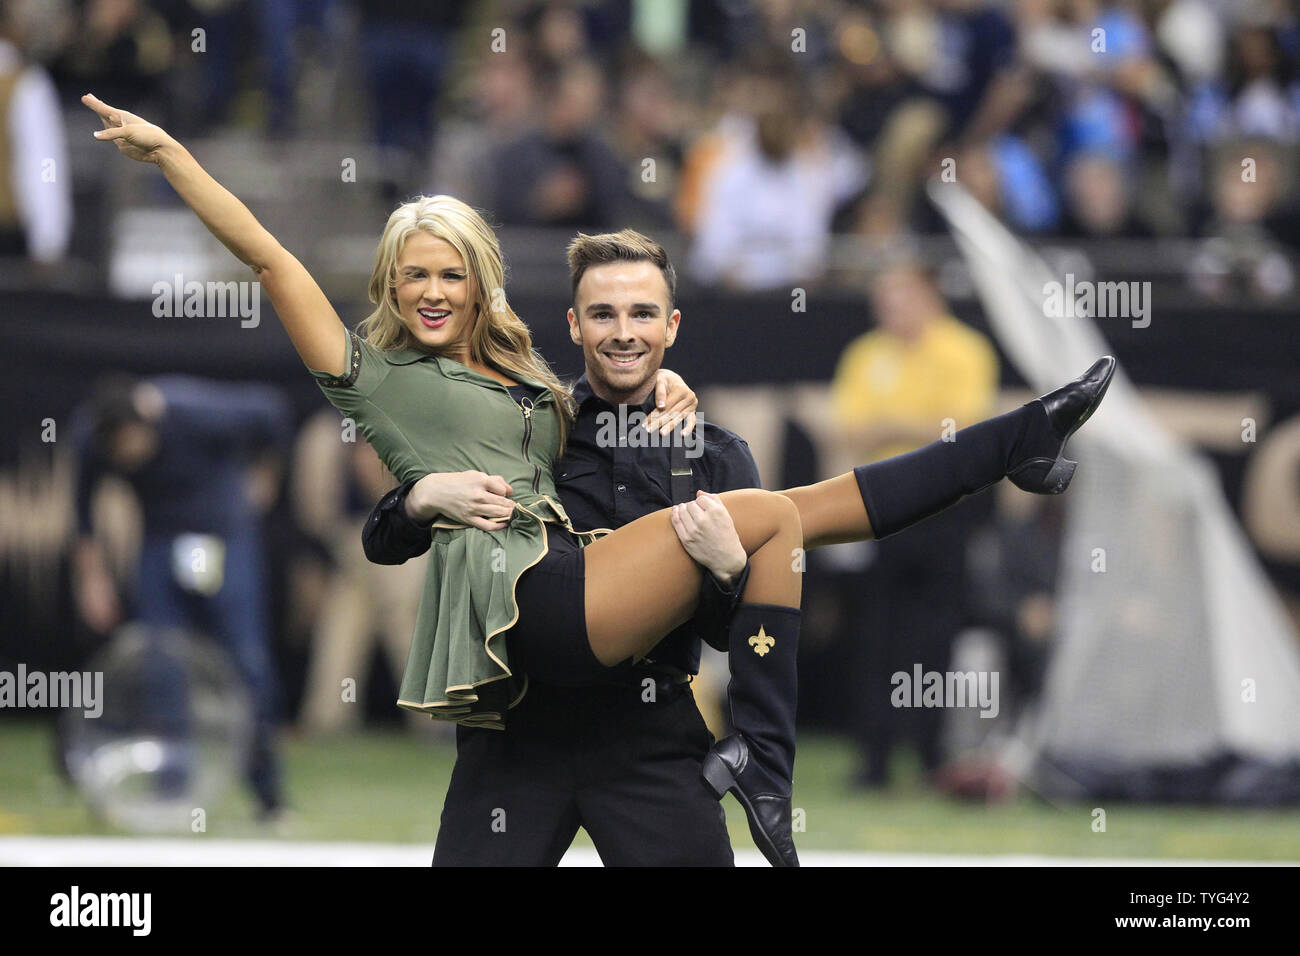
(549, 641)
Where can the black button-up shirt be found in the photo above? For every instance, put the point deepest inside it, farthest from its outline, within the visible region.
(612, 472)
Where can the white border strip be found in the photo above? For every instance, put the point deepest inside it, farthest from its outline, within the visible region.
(203, 851)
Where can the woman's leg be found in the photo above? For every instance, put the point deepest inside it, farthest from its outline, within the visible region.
(876, 500)
(831, 511)
(887, 496)
(641, 583)
(1027, 445)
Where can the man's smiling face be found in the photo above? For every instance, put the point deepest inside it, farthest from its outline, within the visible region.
(623, 320)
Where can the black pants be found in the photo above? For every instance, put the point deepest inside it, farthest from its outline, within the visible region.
(912, 607)
(604, 758)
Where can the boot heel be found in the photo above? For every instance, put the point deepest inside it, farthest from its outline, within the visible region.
(1043, 478)
(1058, 479)
(717, 775)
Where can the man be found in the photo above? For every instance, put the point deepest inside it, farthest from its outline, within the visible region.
(622, 760)
(894, 388)
(188, 448)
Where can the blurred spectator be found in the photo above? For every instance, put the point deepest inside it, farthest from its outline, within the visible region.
(1112, 113)
(364, 604)
(284, 25)
(1100, 59)
(733, 91)
(918, 376)
(562, 31)
(563, 173)
(1009, 179)
(35, 176)
(406, 47)
(767, 207)
(873, 83)
(1192, 36)
(896, 385)
(559, 31)
(958, 54)
(500, 104)
(1013, 565)
(952, 55)
(1099, 192)
(185, 447)
(203, 85)
(1083, 118)
(1257, 98)
(649, 124)
(121, 50)
(727, 28)
(1241, 251)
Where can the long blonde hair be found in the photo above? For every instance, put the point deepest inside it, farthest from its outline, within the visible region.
(500, 338)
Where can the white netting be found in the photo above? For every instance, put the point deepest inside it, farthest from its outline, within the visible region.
(1157, 655)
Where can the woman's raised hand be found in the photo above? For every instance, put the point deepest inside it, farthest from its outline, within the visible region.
(313, 325)
(136, 137)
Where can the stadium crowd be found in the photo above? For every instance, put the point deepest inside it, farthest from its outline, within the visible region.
(758, 129)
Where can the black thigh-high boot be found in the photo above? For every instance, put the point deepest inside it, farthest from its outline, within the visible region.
(1027, 446)
(756, 763)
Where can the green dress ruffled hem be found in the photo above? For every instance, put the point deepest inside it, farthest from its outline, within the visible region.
(452, 674)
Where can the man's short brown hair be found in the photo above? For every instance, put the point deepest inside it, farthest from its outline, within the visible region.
(626, 246)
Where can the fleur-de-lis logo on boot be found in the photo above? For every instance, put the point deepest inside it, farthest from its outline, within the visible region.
(761, 642)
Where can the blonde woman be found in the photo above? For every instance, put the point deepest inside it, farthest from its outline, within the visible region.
(442, 377)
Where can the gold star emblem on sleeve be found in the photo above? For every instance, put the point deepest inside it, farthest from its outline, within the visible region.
(761, 642)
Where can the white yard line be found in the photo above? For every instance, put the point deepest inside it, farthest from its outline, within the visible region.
(201, 851)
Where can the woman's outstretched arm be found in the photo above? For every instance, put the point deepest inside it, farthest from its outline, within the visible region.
(313, 325)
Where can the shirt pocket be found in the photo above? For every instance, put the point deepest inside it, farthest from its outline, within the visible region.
(577, 472)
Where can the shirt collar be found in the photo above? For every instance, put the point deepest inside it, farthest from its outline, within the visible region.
(582, 393)
(405, 355)
(450, 368)
(582, 390)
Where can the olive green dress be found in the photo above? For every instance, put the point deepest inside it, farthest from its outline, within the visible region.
(424, 414)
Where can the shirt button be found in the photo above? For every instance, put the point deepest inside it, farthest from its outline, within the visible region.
(622, 487)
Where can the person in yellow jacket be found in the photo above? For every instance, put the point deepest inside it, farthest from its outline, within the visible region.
(918, 377)
(897, 386)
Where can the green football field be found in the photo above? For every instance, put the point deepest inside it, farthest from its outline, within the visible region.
(388, 787)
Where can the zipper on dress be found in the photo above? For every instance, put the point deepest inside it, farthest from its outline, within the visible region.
(526, 405)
